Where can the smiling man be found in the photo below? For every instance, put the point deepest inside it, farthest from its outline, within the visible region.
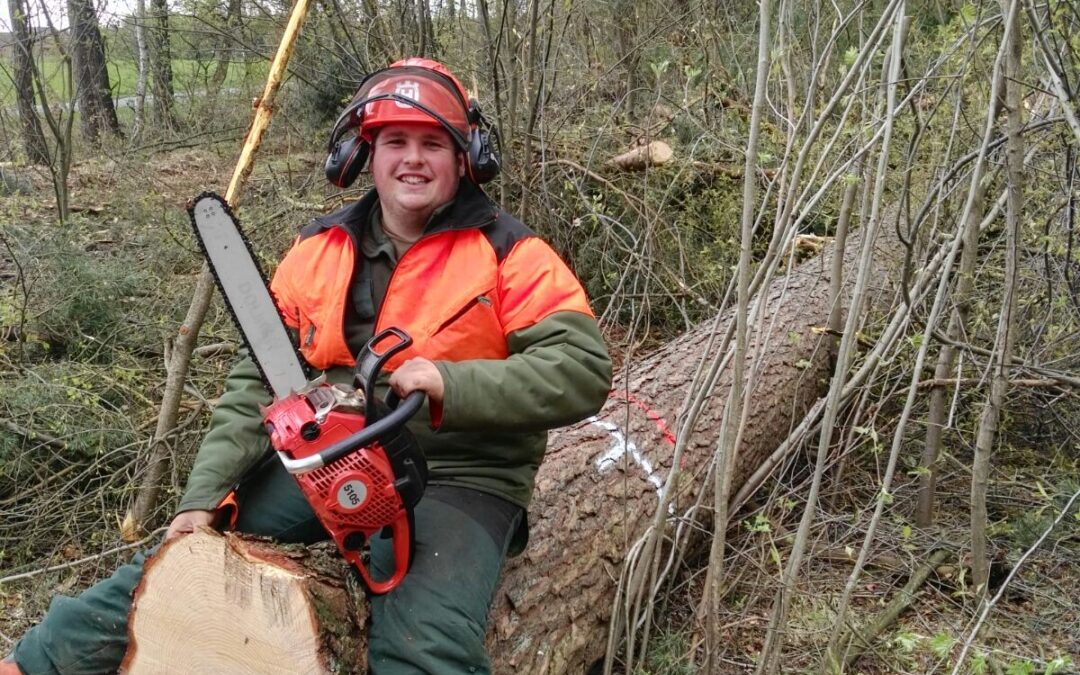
(504, 345)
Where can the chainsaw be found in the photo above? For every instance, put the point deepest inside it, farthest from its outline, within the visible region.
(357, 465)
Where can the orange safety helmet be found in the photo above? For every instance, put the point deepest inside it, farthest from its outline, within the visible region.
(415, 90)
(411, 82)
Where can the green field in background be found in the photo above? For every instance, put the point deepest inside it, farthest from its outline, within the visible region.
(190, 76)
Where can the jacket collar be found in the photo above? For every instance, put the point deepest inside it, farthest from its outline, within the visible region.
(471, 208)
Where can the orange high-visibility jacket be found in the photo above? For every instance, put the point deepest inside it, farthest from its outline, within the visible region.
(476, 276)
(502, 317)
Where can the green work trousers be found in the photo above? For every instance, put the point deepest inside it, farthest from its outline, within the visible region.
(434, 622)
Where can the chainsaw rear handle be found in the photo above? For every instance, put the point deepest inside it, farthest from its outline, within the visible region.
(402, 412)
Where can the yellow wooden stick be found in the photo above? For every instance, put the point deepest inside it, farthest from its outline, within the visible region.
(264, 105)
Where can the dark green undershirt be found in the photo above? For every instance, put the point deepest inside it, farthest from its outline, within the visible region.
(374, 265)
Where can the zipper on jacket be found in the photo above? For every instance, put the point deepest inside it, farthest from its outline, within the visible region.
(458, 314)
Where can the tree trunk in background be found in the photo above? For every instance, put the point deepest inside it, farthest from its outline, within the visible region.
(33, 138)
(161, 64)
(597, 488)
(97, 113)
(144, 65)
(224, 51)
(629, 49)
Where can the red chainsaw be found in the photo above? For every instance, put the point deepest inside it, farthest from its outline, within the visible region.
(355, 461)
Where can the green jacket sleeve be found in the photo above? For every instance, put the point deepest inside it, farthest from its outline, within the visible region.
(235, 441)
(558, 372)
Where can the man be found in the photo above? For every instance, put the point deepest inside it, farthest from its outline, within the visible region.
(505, 347)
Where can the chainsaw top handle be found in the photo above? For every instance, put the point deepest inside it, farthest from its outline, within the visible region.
(401, 412)
(377, 351)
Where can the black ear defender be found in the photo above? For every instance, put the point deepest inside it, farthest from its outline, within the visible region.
(346, 160)
(484, 162)
(347, 152)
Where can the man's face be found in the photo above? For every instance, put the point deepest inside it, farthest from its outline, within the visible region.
(416, 169)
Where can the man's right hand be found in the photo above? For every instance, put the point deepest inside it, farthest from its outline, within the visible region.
(186, 522)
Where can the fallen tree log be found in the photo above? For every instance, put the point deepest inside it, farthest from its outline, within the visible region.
(656, 153)
(598, 486)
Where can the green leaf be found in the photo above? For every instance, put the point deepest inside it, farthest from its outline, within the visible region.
(906, 642)
(941, 644)
(760, 523)
(867, 431)
(1058, 664)
(1019, 668)
(803, 364)
(968, 13)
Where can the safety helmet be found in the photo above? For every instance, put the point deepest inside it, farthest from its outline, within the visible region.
(419, 91)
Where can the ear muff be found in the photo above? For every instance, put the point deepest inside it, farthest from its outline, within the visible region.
(346, 160)
(347, 154)
(483, 160)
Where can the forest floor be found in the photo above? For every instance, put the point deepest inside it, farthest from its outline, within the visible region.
(1034, 628)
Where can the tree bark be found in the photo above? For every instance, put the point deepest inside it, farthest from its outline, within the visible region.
(986, 435)
(161, 64)
(33, 137)
(91, 77)
(224, 50)
(597, 488)
(143, 66)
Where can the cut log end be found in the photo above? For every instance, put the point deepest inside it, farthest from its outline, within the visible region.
(250, 606)
(656, 153)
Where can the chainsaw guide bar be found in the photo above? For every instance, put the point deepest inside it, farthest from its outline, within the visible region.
(246, 293)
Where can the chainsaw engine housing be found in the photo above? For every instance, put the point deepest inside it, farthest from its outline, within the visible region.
(367, 491)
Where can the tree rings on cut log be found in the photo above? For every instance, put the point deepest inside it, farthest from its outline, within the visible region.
(212, 603)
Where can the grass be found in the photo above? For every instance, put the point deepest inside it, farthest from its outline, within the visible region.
(189, 76)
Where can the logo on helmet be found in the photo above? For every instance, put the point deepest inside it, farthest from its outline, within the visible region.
(407, 89)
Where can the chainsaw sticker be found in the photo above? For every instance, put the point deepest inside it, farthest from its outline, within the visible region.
(620, 447)
(352, 495)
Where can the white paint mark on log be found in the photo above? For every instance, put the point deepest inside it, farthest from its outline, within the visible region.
(620, 447)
